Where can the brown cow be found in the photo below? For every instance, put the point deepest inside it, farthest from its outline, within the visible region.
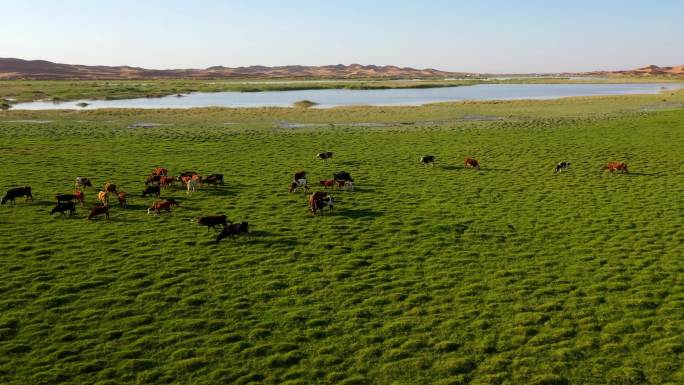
(616, 166)
(157, 207)
(80, 196)
(165, 181)
(160, 171)
(110, 188)
(327, 183)
(99, 210)
(103, 197)
(320, 199)
(471, 162)
(121, 196)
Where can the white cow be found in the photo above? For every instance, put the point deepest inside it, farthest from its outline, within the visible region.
(192, 186)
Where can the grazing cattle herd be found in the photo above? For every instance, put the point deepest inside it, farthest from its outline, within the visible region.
(191, 181)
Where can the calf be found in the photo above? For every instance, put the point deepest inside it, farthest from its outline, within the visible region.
(99, 210)
(324, 156)
(232, 230)
(427, 160)
(152, 190)
(562, 166)
(213, 221)
(471, 162)
(157, 207)
(327, 183)
(299, 184)
(14, 193)
(82, 182)
(121, 197)
(64, 206)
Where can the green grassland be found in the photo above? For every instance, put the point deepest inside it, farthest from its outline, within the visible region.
(63, 90)
(445, 275)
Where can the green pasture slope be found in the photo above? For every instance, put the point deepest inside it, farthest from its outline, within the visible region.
(442, 275)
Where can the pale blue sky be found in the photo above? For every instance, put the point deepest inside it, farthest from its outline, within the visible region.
(478, 36)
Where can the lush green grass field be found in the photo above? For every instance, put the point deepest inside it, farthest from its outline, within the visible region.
(445, 275)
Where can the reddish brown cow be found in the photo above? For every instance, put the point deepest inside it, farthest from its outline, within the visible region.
(160, 171)
(157, 207)
(121, 196)
(616, 166)
(340, 184)
(165, 181)
(327, 183)
(471, 162)
(99, 210)
(185, 179)
(79, 196)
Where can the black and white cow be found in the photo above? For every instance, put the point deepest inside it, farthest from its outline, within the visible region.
(82, 182)
(427, 160)
(562, 166)
(324, 156)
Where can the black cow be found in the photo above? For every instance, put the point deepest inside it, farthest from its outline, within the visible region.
(562, 166)
(213, 179)
(427, 160)
(151, 190)
(66, 197)
(232, 230)
(213, 221)
(153, 179)
(64, 206)
(16, 193)
(299, 175)
(343, 175)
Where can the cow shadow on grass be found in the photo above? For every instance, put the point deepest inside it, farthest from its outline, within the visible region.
(255, 237)
(220, 191)
(358, 213)
(661, 173)
(450, 167)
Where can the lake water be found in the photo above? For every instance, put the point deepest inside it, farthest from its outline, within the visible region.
(342, 97)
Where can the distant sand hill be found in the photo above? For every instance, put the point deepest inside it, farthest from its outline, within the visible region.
(41, 69)
(652, 70)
